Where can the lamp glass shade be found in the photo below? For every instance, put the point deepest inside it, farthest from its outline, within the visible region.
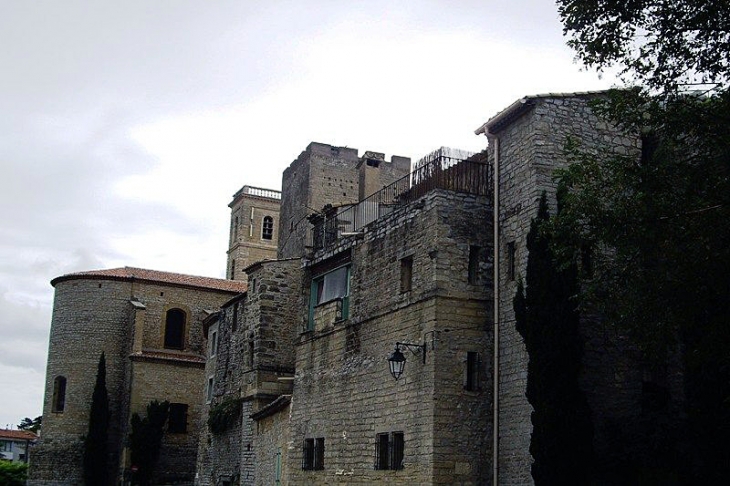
(397, 363)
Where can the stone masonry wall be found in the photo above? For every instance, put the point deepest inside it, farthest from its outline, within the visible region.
(273, 447)
(84, 312)
(256, 333)
(343, 391)
(92, 315)
(531, 147)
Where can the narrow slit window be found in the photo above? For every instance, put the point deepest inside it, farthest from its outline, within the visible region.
(471, 383)
(406, 274)
(473, 265)
(59, 394)
(511, 250)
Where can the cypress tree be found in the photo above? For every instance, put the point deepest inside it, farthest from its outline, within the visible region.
(96, 442)
(145, 441)
(547, 319)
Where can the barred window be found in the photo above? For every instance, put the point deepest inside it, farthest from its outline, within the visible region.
(267, 229)
(313, 454)
(389, 451)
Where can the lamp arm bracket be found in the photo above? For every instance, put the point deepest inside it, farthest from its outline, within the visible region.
(415, 349)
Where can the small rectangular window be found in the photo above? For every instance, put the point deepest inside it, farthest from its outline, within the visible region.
(471, 383)
(209, 393)
(177, 422)
(313, 454)
(319, 454)
(511, 250)
(389, 451)
(406, 274)
(328, 287)
(473, 265)
(213, 343)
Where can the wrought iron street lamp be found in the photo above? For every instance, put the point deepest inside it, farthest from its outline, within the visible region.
(397, 360)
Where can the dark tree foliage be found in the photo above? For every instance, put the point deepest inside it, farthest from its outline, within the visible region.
(548, 321)
(659, 44)
(145, 441)
(660, 224)
(13, 473)
(31, 425)
(96, 465)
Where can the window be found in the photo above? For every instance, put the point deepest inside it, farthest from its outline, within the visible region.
(334, 285)
(235, 228)
(5, 446)
(473, 265)
(473, 361)
(233, 269)
(209, 392)
(175, 329)
(511, 260)
(389, 448)
(313, 454)
(267, 228)
(177, 422)
(213, 343)
(59, 394)
(406, 274)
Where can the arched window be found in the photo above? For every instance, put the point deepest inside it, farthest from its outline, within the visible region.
(267, 230)
(175, 329)
(59, 394)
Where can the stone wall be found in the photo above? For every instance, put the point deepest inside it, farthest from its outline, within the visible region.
(530, 149)
(273, 447)
(122, 318)
(255, 356)
(89, 317)
(343, 390)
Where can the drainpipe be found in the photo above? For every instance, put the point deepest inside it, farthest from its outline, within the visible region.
(496, 289)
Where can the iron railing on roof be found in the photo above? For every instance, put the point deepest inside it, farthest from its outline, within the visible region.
(436, 171)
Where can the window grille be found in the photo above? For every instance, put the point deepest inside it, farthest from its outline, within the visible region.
(267, 230)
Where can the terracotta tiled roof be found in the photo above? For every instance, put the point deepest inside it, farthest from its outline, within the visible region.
(129, 273)
(17, 435)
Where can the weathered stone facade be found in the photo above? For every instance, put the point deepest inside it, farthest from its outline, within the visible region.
(123, 312)
(253, 364)
(343, 391)
(324, 174)
(528, 140)
(254, 231)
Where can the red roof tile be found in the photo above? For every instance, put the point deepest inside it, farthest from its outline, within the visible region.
(129, 273)
(17, 435)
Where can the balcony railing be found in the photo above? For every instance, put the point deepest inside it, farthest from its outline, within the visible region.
(437, 171)
(257, 191)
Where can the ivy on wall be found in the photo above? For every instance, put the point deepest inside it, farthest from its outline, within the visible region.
(224, 415)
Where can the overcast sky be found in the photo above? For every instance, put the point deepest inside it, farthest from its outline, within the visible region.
(126, 126)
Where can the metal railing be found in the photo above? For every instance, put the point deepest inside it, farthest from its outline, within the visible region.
(471, 176)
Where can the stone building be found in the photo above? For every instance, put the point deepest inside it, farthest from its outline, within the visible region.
(368, 264)
(254, 232)
(149, 326)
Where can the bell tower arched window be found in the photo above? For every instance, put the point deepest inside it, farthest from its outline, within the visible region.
(175, 329)
(267, 229)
